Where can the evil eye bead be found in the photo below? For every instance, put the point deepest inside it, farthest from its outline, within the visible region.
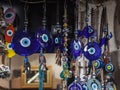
(94, 86)
(45, 38)
(91, 50)
(109, 67)
(9, 15)
(96, 64)
(56, 41)
(25, 42)
(90, 30)
(9, 46)
(9, 32)
(76, 46)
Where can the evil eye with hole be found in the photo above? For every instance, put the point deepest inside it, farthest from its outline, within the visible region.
(109, 67)
(45, 38)
(9, 46)
(94, 86)
(91, 50)
(9, 32)
(56, 40)
(25, 42)
(9, 15)
(76, 46)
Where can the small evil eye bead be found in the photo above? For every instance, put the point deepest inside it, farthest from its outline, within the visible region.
(9, 15)
(96, 64)
(109, 67)
(56, 40)
(9, 32)
(9, 46)
(76, 46)
(91, 50)
(90, 30)
(45, 38)
(25, 42)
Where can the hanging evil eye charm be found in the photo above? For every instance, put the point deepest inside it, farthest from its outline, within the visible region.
(9, 33)
(109, 67)
(43, 37)
(25, 43)
(9, 15)
(98, 64)
(88, 31)
(75, 48)
(58, 41)
(9, 52)
(92, 51)
(75, 86)
(93, 84)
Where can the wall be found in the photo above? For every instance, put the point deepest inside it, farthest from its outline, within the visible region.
(17, 61)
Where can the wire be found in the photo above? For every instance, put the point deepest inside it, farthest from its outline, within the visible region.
(32, 2)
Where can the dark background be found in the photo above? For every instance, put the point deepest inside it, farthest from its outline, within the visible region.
(35, 13)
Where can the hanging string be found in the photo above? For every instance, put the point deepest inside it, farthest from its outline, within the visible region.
(41, 72)
(10, 3)
(44, 15)
(87, 13)
(57, 16)
(26, 19)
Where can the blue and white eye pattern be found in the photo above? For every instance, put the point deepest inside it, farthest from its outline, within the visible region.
(90, 30)
(76, 46)
(9, 46)
(56, 40)
(94, 86)
(45, 38)
(91, 50)
(109, 67)
(9, 32)
(9, 15)
(25, 42)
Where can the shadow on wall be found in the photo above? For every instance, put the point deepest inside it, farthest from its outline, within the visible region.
(116, 63)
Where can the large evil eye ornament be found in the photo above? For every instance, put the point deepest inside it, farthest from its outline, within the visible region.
(9, 15)
(109, 67)
(88, 31)
(75, 86)
(9, 33)
(25, 43)
(93, 84)
(76, 48)
(43, 37)
(98, 63)
(92, 51)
